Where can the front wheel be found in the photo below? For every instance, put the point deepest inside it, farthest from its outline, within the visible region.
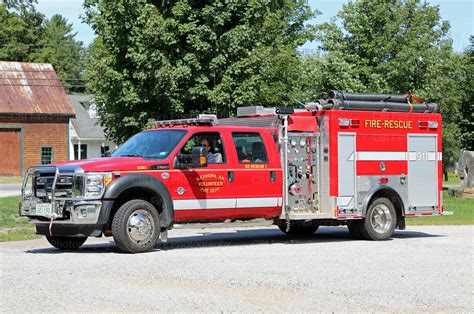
(66, 243)
(298, 227)
(136, 226)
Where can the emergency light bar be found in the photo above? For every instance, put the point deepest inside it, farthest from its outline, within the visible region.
(202, 119)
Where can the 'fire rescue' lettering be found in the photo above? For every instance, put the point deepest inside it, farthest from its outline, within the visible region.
(388, 124)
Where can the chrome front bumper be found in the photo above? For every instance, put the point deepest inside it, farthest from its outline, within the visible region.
(64, 209)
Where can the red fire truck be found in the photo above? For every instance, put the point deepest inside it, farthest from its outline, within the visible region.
(361, 160)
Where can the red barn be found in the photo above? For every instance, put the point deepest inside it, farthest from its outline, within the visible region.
(34, 117)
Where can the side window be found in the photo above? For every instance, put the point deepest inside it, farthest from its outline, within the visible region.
(46, 155)
(250, 148)
(83, 150)
(212, 142)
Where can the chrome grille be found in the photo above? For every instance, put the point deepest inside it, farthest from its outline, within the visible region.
(43, 185)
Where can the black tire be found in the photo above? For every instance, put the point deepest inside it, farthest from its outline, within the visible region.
(127, 226)
(299, 227)
(66, 243)
(369, 226)
(354, 227)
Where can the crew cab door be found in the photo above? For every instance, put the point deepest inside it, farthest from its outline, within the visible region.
(257, 175)
(208, 193)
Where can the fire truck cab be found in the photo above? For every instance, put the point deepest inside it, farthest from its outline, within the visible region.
(366, 168)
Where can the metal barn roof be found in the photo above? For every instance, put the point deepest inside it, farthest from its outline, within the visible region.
(32, 88)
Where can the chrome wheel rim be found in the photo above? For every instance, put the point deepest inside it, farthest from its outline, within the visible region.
(381, 218)
(140, 226)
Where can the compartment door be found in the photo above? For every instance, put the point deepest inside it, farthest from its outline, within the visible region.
(422, 172)
(347, 171)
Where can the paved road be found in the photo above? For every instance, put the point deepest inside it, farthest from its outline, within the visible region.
(249, 269)
(10, 189)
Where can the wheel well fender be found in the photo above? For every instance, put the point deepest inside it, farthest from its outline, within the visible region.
(140, 186)
(393, 196)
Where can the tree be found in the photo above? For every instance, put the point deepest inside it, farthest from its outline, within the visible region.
(158, 59)
(467, 107)
(58, 46)
(19, 4)
(444, 85)
(396, 46)
(20, 27)
(27, 36)
(389, 43)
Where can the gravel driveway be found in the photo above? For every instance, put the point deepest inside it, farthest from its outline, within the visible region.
(424, 269)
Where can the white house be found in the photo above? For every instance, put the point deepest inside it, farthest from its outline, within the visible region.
(86, 137)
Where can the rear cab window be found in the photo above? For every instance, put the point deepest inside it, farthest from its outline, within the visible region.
(250, 148)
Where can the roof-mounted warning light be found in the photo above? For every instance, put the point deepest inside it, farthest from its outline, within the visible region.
(202, 120)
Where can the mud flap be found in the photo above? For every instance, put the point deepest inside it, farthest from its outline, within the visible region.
(401, 222)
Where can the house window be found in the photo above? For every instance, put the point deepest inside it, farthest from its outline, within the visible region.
(103, 150)
(83, 151)
(46, 155)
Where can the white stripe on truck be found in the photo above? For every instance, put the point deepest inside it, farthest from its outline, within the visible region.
(398, 156)
(226, 203)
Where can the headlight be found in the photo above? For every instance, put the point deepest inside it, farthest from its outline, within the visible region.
(95, 184)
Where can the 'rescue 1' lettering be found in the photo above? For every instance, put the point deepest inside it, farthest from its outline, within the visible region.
(388, 124)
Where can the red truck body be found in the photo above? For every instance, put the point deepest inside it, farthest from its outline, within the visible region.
(338, 163)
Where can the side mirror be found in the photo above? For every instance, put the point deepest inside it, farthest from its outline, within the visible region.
(197, 159)
(108, 153)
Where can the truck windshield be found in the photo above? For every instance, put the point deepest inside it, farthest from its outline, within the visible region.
(156, 144)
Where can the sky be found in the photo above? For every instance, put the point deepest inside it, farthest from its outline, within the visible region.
(459, 13)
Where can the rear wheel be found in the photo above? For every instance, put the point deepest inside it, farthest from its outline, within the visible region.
(298, 227)
(136, 226)
(66, 243)
(380, 220)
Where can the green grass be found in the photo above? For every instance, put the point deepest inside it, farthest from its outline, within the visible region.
(453, 179)
(463, 213)
(12, 226)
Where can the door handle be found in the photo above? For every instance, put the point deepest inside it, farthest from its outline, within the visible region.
(273, 176)
(230, 176)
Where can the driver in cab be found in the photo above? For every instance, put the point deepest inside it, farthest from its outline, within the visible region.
(211, 158)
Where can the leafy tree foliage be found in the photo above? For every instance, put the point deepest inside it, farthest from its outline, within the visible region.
(395, 46)
(19, 4)
(26, 35)
(467, 107)
(157, 59)
(20, 28)
(389, 44)
(58, 47)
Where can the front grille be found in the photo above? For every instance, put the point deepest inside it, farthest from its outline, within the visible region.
(43, 186)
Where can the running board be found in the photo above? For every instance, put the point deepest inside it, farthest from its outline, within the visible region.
(239, 224)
